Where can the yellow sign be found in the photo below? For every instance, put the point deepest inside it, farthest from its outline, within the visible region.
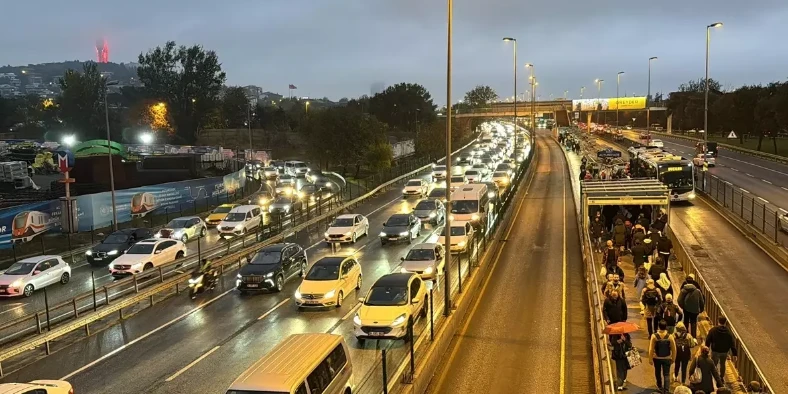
(627, 103)
(671, 169)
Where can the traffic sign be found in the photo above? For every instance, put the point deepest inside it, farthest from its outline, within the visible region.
(62, 163)
(608, 153)
(732, 135)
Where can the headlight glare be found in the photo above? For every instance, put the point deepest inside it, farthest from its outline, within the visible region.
(399, 320)
(112, 252)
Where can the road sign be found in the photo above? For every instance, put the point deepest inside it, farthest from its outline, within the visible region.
(62, 163)
(732, 135)
(608, 153)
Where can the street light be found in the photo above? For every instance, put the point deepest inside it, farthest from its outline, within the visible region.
(648, 98)
(582, 88)
(533, 99)
(598, 97)
(566, 92)
(307, 107)
(706, 95)
(107, 84)
(146, 138)
(508, 39)
(618, 82)
(68, 140)
(447, 219)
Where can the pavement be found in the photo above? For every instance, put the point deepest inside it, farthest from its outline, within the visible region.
(529, 331)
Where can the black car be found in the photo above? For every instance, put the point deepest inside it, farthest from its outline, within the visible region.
(493, 191)
(318, 177)
(438, 193)
(115, 245)
(278, 164)
(252, 167)
(272, 267)
(400, 227)
(311, 192)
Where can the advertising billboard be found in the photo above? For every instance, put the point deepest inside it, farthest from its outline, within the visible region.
(622, 103)
(590, 105)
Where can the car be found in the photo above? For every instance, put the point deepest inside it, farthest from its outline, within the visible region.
(285, 185)
(461, 236)
(473, 176)
(391, 302)
(464, 162)
(284, 205)
(493, 191)
(400, 227)
(296, 168)
(628, 127)
(33, 273)
(271, 267)
(311, 192)
(347, 228)
(38, 387)
(252, 166)
(457, 181)
(699, 159)
(219, 213)
(501, 178)
(147, 254)
(506, 166)
(482, 168)
(438, 173)
(240, 220)
(262, 199)
(415, 187)
(491, 163)
(657, 143)
(710, 159)
(328, 282)
(279, 165)
(426, 260)
(430, 211)
(783, 222)
(317, 177)
(438, 193)
(183, 229)
(270, 173)
(115, 245)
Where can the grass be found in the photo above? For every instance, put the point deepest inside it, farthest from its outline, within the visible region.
(751, 143)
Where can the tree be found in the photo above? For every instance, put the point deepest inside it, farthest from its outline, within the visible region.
(234, 107)
(82, 101)
(480, 96)
(188, 80)
(403, 106)
(699, 86)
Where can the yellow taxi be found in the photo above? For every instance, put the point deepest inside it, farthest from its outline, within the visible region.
(218, 214)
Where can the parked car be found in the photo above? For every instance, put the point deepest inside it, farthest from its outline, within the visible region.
(115, 245)
(430, 211)
(147, 254)
(328, 282)
(388, 306)
(271, 267)
(219, 213)
(347, 228)
(426, 260)
(33, 273)
(415, 187)
(400, 227)
(183, 229)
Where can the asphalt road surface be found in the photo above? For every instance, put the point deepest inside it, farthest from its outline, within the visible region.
(529, 331)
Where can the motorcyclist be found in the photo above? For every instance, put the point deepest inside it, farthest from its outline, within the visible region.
(206, 269)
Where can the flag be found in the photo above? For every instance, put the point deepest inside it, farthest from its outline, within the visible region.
(292, 86)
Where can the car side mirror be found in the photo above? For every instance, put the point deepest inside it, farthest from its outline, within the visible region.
(361, 299)
(401, 259)
(157, 252)
(36, 272)
(415, 300)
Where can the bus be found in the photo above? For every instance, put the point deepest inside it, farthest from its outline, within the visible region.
(675, 172)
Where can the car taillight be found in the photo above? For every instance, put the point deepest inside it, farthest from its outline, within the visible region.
(71, 391)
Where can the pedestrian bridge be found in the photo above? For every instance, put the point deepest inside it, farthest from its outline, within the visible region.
(507, 109)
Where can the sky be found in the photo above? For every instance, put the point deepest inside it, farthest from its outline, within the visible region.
(340, 48)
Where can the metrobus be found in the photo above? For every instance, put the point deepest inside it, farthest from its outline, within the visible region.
(675, 172)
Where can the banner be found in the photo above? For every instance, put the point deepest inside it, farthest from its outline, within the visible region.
(590, 105)
(627, 103)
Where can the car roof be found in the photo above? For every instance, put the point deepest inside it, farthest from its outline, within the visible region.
(188, 217)
(243, 208)
(425, 245)
(396, 279)
(347, 216)
(154, 240)
(276, 247)
(415, 179)
(332, 260)
(399, 215)
(36, 259)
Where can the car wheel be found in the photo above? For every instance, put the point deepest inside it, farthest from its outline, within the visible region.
(353, 238)
(28, 290)
(340, 298)
(303, 270)
(358, 283)
(65, 278)
(147, 267)
(203, 231)
(184, 238)
(280, 283)
(179, 255)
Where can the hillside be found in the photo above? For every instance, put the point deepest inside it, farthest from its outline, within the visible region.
(122, 72)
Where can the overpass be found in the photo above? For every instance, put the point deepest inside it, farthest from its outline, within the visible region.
(507, 109)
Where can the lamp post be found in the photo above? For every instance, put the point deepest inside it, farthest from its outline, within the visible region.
(249, 128)
(514, 41)
(618, 82)
(447, 224)
(598, 97)
(566, 92)
(648, 98)
(533, 98)
(107, 84)
(706, 95)
(582, 88)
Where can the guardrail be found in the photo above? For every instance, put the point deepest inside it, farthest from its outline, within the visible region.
(173, 279)
(764, 155)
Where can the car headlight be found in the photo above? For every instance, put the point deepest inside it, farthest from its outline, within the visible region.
(382, 234)
(404, 233)
(357, 320)
(112, 252)
(270, 274)
(298, 293)
(403, 270)
(177, 234)
(347, 234)
(238, 276)
(157, 235)
(451, 217)
(432, 214)
(89, 253)
(325, 234)
(239, 226)
(300, 194)
(404, 190)
(474, 217)
(399, 320)
(428, 270)
(692, 195)
(491, 194)
(461, 244)
(17, 283)
(287, 207)
(328, 184)
(196, 280)
(263, 201)
(329, 294)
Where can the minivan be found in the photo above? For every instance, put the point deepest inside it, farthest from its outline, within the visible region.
(301, 364)
(240, 220)
(296, 168)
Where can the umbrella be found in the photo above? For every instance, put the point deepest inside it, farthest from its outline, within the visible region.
(621, 328)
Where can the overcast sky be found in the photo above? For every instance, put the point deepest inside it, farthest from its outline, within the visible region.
(339, 48)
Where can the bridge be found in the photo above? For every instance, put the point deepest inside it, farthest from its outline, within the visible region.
(507, 109)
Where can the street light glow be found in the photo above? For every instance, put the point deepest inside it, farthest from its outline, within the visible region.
(715, 24)
(653, 58)
(69, 140)
(507, 39)
(146, 138)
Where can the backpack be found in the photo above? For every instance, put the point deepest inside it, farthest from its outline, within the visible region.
(651, 297)
(682, 342)
(662, 347)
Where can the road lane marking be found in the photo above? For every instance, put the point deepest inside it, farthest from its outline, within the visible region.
(149, 333)
(784, 188)
(193, 363)
(732, 168)
(264, 315)
(766, 181)
(744, 190)
(748, 174)
(350, 312)
(763, 199)
(13, 309)
(562, 378)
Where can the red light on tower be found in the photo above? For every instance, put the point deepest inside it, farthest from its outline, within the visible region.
(102, 51)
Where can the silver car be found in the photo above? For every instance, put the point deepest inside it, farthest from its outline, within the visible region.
(33, 273)
(425, 259)
(183, 229)
(284, 205)
(430, 211)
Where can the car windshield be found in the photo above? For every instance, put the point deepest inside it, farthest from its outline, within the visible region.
(269, 169)
(270, 257)
(116, 239)
(420, 255)
(439, 192)
(472, 173)
(309, 188)
(503, 167)
(439, 168)
(457, 179)
(235, 217)
(141, 249)
(323, 272)
(465, 206)
(500, 174)
(455, 231)
(414, 183)
(282, 200)
(397, 220)
(387, 296)
(21, 268)
(222, 209)
(178, 223)
(299, 165)
(286, 178)
(425, 206)
(342, 222)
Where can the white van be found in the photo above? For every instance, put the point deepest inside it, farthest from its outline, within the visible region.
(296, 168)
(301, 364)
(469, 203)
(240, 220)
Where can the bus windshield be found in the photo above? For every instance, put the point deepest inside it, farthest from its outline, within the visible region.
(465, 206)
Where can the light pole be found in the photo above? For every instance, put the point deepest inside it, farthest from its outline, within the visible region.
(618, 82)
(598, 97)
(514, 41)
(107, 84)
(447, 224)
(706, 95)
(648, 98)
(582, 88)
(249, 127)
(531, 78)
(566, 92)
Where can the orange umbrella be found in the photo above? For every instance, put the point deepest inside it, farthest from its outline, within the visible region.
(621, 328)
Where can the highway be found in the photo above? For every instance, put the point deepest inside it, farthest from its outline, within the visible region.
(529, 329)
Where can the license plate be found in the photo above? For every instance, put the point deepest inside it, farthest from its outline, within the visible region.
(376, 333)
(252, 285)
(393, 238)
(311, 302)
(97, 258)
(2, 290)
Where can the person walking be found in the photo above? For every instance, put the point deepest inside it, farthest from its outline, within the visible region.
(616, 269)
(692, 302)
(755, 388)
(643, 221)
(682, 390)
(664, 247)
(621, 345)
(663, 284)
(690, 279)
(669, 312)
(650, 298)
(638, 234)
(662, 353)
(610, 255)
(649, 246)
(628, 237)
(638, 254)
(614, 285)
(656, 270)
(640, 283)
(597, 232)
(614, 309)
(619, 235)
(709, 373)
(720, 341)
(684, 344)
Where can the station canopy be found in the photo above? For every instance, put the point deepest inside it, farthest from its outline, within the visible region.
(624, 192)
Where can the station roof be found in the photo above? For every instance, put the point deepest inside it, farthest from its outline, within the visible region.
(625, 192)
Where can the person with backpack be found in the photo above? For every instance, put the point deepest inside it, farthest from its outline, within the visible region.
(708, 372)
(621, 345)
(662, 353)
(669, 312)
(692, 302)
(651, 299)
(720, 341)
(640, 284)
(684, 344)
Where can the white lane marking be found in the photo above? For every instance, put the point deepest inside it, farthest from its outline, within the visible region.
(193, 363)
(384, 205)
(766, 181)
(264, 315)
(748, 174)
(732, 168)
(744, 190)
(350, 312)
(149, 333)
(784, 188)
(763, 199)
(13, 309)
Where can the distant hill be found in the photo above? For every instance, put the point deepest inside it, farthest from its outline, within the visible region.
(123, 72)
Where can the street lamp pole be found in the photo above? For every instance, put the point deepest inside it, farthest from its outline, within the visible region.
(447, 224)
(648, 98)
(513, 40)
(582, 88)
(249, 125)
(533, 100)
(598, 97)
(618, 82)
(706, 95)
(107, 84)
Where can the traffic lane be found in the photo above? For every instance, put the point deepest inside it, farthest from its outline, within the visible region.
(772, 193)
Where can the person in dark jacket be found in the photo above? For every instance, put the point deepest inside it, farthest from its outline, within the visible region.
(616, 269)
(684, 344)
(610, 254)
(628, 238)
(655, 270)
(643, 221)
(690, 279)
(639, 255)
(693, 304)
(669, 312)
(621, 345)
(615, 309)
(597, 232)
(638, 234)
(601, 217)
(619, 234)
(708, 371)
(664, 247)
(720, 341)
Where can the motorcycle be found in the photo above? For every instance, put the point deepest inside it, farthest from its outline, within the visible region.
(200, 283)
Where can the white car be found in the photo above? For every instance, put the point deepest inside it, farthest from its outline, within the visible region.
(270, 172)
(147, 254)
(501, 178)
(240, 220)
(183, 229)
(426, 260)
(33, 273)
(483, 168)
(438, 173)
(457, 181)
(347, 228)
(473, 176)
(657, 143)
(329, 282)
(391, 302)
(461, 236)
(784, 222)
(415, 187)
(38, 387)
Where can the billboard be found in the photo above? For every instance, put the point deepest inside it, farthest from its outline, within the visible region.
(590, 104)
(622, 103)
(23, 223)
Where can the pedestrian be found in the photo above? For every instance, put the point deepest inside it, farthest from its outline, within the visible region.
(682, 390)
(621, 345)
(588, 176)
(628, 237)
(614, 285)
(655, 236)
(610, 255)
(708, 372)
(722, 390)
(656, 270)
(720, 341)
(619, 234)
(640, 283)
(684, 344)
(690, 279)
(693, 303)
(616, 269)
(638, 254)
(662, 353)
(649, 246)
(665, 247)
(601, 217)
(663, 284)
(669, 312)
(754, 388)
(638, 234)
(614, 309)
(651, 298)
(643, 221)
(597, 232)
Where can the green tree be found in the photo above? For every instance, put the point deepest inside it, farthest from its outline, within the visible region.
(82, 101)
(234, 107)
(188, 80)
(699, 86)
(403, 106)
(480, 96)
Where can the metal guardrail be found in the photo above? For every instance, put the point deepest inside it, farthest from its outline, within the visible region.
(764, 155)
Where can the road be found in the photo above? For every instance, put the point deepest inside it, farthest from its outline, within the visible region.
(529, 329)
